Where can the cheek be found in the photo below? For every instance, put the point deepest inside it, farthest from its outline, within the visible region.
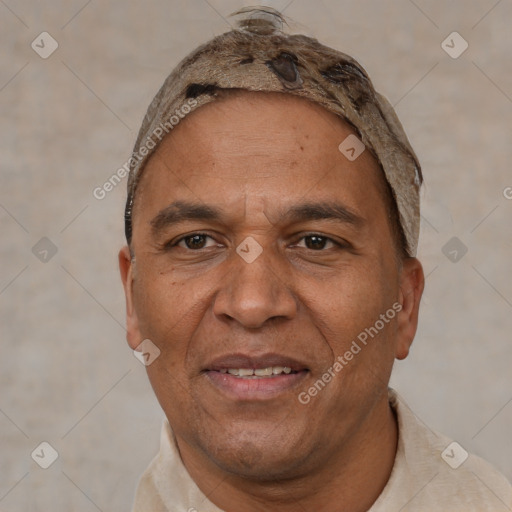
(161, 300)
(167, 314)
(164, 309)
(351, 303)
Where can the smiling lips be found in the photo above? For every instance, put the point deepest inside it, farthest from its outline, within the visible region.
(258, 372)
(244, 377)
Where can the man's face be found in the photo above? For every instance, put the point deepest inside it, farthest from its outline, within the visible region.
(271, 281)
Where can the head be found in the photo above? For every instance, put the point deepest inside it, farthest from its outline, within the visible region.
(256, 243)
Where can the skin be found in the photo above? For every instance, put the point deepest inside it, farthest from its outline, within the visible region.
(255, 155)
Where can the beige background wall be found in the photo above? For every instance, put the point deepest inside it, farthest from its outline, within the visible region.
(69, 121)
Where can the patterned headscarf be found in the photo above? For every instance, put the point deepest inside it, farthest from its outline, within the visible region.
(259, 56)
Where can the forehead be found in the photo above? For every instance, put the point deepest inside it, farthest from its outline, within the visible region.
(272, 144)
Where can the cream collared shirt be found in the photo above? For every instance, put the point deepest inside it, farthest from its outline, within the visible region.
(430, 474)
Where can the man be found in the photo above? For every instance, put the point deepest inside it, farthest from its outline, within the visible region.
(270, 275)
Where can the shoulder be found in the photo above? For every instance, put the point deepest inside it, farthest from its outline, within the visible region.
(434, 473)
(147, 496)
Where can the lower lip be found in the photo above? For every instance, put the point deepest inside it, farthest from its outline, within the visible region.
(255, 388)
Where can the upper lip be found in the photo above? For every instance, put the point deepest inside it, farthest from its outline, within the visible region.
(254, 361)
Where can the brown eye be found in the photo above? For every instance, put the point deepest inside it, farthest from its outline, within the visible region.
(195, 241)
(316, 242)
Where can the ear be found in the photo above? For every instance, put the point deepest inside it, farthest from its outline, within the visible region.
(412, 282)
(126, 264)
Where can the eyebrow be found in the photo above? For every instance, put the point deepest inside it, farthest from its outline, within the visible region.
(323, 211)
(182, 211)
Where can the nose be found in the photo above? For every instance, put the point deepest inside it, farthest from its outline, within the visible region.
(255, 292)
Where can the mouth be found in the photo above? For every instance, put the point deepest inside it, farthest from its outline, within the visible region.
(242, 377)
(258, 373)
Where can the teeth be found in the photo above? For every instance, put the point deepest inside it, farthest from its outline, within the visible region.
(258, 372)
(263, 372)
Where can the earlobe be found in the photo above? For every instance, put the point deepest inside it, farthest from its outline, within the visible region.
(132, 324)
(412, 282)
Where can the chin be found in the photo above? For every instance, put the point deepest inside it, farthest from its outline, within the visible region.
(262, 469)
(258, 456)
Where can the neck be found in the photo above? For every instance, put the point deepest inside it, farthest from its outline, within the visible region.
(351, 480)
